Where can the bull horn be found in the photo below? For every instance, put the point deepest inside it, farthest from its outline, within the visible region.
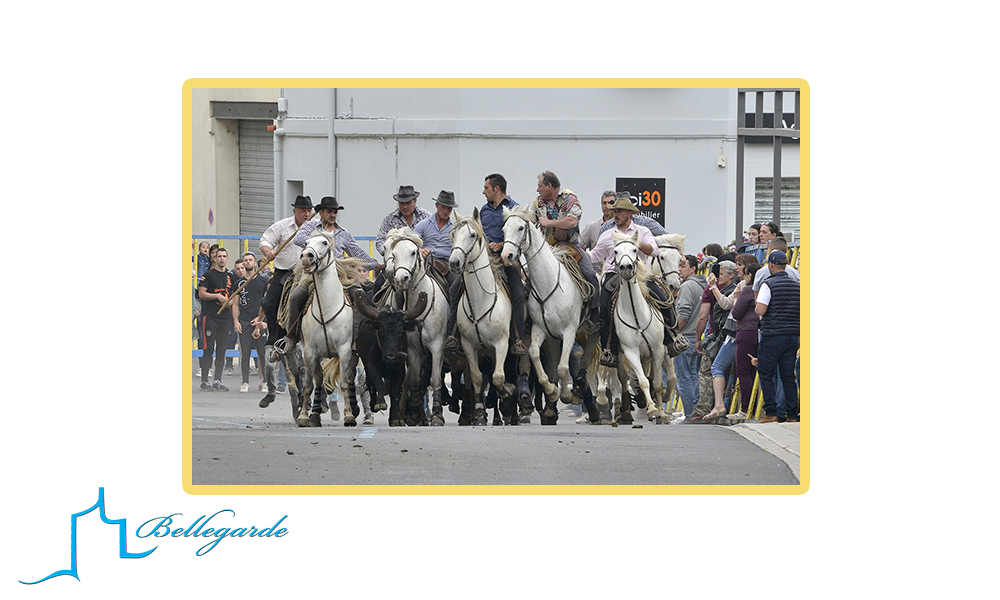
(361, 303)
(418, 308)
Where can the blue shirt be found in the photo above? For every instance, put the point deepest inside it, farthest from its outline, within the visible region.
(492, 219)
(438, 241)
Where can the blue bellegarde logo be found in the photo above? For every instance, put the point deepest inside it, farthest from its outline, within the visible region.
(122, 551)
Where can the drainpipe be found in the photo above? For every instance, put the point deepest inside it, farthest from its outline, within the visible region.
(279, 160)
(332, 141)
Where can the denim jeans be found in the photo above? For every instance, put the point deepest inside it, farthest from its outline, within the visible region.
(724, 359)
(776, 355)
(686, 369)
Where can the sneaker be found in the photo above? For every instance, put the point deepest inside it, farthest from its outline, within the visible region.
(218, 386)
(793, 419)
(228, 371)
(262, 386)
(206, 386)
(740, 416)
(583, 420)
(768, 419)
(280, 390)
(198, 372)
(245, 388)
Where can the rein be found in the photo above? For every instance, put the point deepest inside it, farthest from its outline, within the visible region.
(319, 305)
(469, 312)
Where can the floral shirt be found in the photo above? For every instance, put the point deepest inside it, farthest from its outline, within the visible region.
(566, 205)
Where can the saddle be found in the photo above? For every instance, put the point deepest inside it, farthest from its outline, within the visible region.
(570, 249)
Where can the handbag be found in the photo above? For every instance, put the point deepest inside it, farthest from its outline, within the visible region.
(711, 345)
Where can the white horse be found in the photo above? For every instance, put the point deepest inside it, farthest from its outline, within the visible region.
(665, 266)
(638, 324)
(327, 324)
(484, 310)
(554, 304)
(411, 277)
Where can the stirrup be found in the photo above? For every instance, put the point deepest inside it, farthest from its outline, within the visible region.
(452, 343)
(678, 346)
(608, 359)
(518, 348)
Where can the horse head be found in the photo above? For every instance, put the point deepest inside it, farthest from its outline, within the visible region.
(317, 249)
(403, 247)
(627, 256)
(516, 233)
(464, 237)
(666, 263)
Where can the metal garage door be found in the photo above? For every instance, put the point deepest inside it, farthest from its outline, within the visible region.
(256, 177)
(790, 203)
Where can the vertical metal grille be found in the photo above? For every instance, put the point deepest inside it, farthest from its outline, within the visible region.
(256, 177)
(764, 204)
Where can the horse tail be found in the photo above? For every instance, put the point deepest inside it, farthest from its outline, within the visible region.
(331, 373)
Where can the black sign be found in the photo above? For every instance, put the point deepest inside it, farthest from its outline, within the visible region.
(650, 196)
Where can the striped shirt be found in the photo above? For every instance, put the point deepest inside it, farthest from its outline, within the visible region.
(395, 220)
(343, 243)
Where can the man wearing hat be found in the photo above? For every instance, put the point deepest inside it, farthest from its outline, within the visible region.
(436, 234)
(559, 213)
(604, 251)
(276, 235)
(778, 307)
(408, 214)
(343, 243)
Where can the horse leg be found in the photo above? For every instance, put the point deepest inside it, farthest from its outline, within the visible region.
(635, 364)
(350, 416)
(437, 382)
(656, 364)
(534, 351)
(472, 364)
(304, 418)
(603, 394)
(565, 393)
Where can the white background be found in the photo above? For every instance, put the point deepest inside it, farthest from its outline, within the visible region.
(903, 199)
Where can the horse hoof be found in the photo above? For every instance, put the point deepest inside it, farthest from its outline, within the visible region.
(479, 417)
(525, 419)
(314, 420)
(351, 423)
(437, 421)
(303, 421)
(396, 423)
(625, 419)
(379, 407)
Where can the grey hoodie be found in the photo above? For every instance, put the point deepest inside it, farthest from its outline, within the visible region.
(689, 303)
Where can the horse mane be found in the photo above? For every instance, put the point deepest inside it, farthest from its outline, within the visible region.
(348, 273)
(523, 211)
(671, 239)
(397, 235)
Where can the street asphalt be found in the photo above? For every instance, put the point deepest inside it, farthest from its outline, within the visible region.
(236, 442)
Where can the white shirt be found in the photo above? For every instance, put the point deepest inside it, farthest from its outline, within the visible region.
(763, 273)
(275, 236)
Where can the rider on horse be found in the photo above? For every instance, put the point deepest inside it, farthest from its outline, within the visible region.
(623, 210)
(559, 213)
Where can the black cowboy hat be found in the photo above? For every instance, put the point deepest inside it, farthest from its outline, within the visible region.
(328, 202)
(302, 202)
(446, 199)
(405, 194)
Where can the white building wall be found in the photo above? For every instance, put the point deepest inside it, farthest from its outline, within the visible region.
(451, 139)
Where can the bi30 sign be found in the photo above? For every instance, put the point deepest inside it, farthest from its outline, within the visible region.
(650, 195)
